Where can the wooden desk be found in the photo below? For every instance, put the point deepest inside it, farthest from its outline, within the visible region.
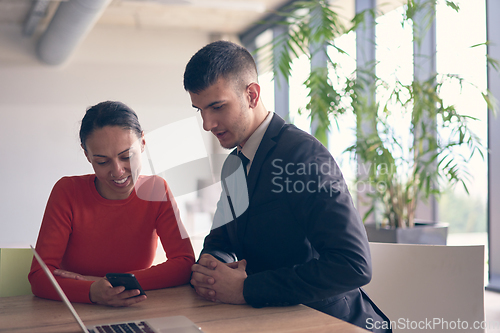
(33, 314)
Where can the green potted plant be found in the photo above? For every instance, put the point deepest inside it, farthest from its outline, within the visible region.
(439, 141)
(402, 175)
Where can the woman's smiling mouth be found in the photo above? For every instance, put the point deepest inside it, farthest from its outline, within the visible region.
(121, 181)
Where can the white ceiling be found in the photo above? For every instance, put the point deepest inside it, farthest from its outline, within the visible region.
(221, 16)
(215, 16)
(228, 17)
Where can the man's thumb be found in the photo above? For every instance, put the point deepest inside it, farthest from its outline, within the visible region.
(242, 264)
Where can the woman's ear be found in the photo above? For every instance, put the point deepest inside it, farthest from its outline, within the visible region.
(253, 90)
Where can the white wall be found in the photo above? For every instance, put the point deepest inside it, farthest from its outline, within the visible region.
(41, 108)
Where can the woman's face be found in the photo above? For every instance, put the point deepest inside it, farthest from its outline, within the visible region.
(115, 155)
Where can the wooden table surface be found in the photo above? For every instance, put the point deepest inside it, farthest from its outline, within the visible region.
(33, 314)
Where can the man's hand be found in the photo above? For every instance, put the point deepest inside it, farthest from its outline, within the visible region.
(201, 281)
(217, 281)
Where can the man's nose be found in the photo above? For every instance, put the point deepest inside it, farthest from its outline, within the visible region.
(209, 122)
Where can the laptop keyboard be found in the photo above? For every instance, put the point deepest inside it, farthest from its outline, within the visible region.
(124, 328)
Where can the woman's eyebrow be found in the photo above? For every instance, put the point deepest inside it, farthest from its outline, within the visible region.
(126, 150)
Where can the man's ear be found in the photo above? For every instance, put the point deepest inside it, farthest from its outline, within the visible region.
(253, 90)
(143, 142)
(86, 154)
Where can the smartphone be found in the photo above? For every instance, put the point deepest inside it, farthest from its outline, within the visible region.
(125, 279)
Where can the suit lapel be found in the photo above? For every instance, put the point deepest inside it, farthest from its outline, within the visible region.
(266, 145)
(236, 229)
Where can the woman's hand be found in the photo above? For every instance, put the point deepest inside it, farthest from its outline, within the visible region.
(102, 292)
(74, 276)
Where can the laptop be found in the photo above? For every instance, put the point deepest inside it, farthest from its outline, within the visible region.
(174, 324)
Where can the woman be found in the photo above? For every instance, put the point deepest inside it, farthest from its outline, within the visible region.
(109, 222)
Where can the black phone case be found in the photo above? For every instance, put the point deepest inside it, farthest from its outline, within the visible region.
(125, 279)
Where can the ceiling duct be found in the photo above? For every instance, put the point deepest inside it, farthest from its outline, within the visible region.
(38, 12)
(68, 27)
(248, 5)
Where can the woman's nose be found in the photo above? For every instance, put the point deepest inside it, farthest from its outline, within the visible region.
(118, 170)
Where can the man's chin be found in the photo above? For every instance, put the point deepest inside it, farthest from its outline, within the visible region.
(228, 145)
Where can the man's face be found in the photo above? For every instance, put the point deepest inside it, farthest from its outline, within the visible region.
(225, 112)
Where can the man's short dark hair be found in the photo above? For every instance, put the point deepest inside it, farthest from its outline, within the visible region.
(215, 60)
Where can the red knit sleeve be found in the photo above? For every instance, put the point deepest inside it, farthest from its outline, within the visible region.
(179, 251)
(51, 245)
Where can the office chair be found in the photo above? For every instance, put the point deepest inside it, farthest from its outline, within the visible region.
(15, 265)
(429, 288)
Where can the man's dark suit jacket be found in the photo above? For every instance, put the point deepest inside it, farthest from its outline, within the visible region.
(301, 235)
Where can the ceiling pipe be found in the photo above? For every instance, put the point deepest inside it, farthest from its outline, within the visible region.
(70, 24)
(37, 13)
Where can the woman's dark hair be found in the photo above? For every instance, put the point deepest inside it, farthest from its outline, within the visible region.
(108, 113)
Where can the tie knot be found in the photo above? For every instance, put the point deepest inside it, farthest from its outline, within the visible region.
(244, 160)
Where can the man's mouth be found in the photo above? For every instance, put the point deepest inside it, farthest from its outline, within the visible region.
(220, 134)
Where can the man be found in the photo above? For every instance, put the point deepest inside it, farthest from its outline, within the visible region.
(301, 241)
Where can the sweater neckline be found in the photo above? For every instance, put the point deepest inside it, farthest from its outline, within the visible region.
(105, 201)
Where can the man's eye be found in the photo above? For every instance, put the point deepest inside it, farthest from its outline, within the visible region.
(218, 107)
(101, 163)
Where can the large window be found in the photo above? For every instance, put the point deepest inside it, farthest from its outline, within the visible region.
(394, 54)
(465, 213)
(456, 34)
(342, 134)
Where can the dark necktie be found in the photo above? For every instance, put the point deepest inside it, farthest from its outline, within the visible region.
(244, 161)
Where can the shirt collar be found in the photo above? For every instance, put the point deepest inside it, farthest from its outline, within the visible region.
(253, 142)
